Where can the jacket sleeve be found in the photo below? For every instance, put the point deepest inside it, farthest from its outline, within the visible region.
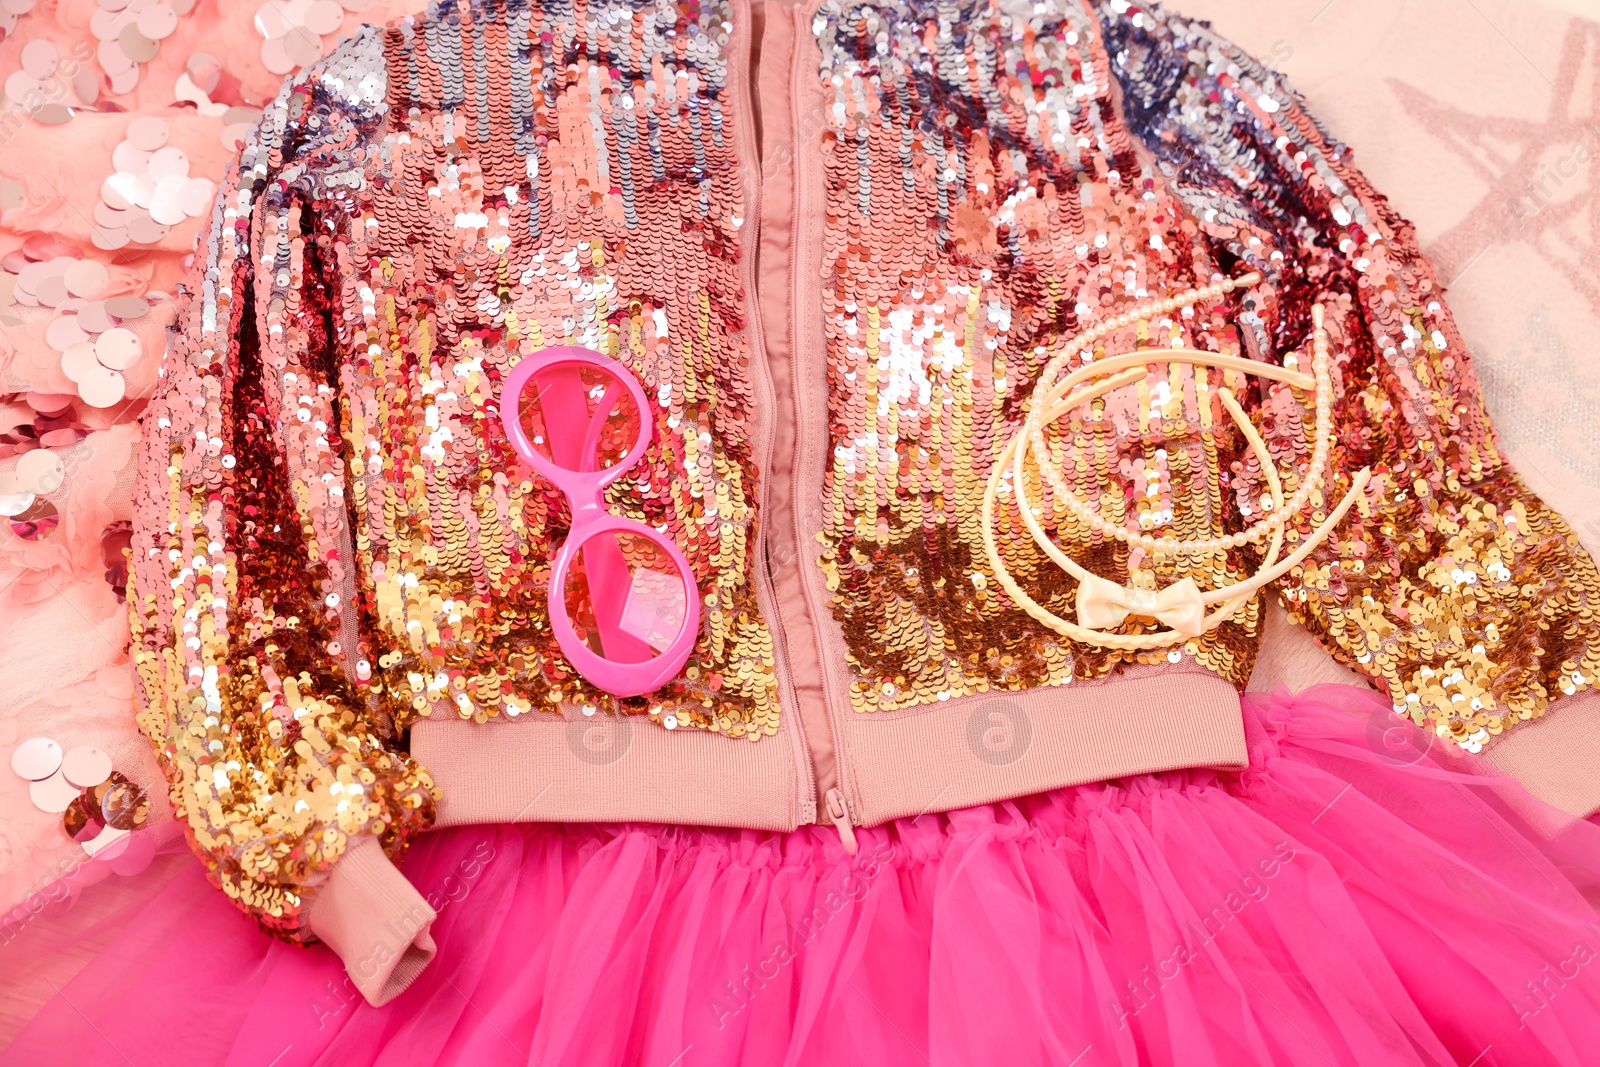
(246, 638)
(1450, 584)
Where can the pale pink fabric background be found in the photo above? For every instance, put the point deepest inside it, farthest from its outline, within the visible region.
(1479, 120)
(1474, 117)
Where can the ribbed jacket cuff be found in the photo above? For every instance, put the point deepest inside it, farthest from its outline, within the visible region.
(375, 920)
(1557, 756)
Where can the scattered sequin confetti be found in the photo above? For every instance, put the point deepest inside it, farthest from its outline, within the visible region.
(293, 31)
(122, 804)
(150, 191)
(36, 758)
(100, 808)
(82, 819)
(53, 794)
(85, 766)
(40, 471)
(130, 33)
(38, 521)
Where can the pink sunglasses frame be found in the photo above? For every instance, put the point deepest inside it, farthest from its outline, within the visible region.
(590, 516)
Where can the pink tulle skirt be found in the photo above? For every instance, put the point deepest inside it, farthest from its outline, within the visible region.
(1354, 897)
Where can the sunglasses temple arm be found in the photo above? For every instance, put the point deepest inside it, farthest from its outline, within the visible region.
(609, 592)
(597, 425)
(563, 406)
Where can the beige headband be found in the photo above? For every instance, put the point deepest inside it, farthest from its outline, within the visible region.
(1102, 604)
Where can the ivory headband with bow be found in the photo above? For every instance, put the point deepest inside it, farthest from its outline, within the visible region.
(1102, 604)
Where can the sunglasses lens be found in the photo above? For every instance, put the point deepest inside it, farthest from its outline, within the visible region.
(626, 597)
(579, 416)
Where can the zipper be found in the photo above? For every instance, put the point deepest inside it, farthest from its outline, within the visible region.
(835, 794)
(841, 819)
(788, 699)
(806, 771)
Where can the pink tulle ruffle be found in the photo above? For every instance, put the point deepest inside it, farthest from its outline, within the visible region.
(1345, 900)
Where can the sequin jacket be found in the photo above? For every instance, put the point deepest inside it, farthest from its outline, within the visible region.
(836, 272)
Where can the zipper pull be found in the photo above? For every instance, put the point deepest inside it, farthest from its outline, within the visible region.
(841, 819)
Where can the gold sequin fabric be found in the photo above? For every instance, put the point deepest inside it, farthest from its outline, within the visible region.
(334, 535)
(1002, 178)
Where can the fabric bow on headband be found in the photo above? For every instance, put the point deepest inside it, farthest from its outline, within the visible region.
(1103, 604)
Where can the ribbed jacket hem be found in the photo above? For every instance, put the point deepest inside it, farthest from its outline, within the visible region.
(993, 747)
(602, 769)
(942, 756)
(376, 922)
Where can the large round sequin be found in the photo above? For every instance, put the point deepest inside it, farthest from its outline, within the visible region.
(36, 758)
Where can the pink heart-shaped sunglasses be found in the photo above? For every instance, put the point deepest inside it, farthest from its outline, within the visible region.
(622, 600)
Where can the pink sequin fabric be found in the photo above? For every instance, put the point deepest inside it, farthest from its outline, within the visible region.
(334, 539)
(1000, 182)
(334, 535)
